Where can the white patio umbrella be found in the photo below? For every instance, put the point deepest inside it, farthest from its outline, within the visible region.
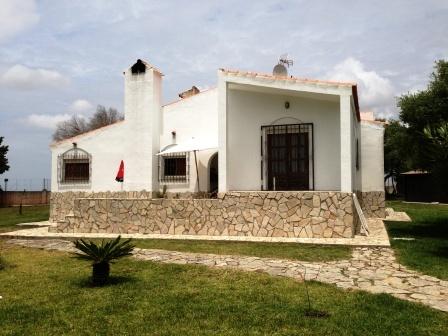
(191, 145)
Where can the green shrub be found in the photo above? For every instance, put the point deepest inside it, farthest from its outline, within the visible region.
(102, 255)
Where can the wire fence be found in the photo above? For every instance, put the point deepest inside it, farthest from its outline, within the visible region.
(17, 184)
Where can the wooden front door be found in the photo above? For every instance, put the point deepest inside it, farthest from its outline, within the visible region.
(288, 161)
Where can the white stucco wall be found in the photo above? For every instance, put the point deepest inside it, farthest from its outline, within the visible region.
(248, 111)
(107, 148)
(197, 117)
(231, 115)
(372, 157)
(346, 142)
(135, 141)
(142, 110)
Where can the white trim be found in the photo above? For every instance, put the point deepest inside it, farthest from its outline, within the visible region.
(346, 143)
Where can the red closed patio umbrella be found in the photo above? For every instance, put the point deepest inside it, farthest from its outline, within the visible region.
(120, 174)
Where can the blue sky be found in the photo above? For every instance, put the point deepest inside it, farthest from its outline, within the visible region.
(59, 58)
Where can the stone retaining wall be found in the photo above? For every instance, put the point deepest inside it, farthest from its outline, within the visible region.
(261, 214)
(373, 203)
(61, 203)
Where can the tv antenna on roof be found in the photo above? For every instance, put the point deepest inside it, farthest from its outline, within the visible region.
(285, 60)
(280, 69)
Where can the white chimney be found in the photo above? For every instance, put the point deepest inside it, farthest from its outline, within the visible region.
(142, 113)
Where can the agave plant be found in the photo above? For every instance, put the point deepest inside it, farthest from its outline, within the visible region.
(102, 255)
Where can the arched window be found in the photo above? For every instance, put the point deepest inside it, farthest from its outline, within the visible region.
(74, 166)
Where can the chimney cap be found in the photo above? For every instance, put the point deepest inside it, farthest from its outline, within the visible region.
(138, 67)
(147, 64)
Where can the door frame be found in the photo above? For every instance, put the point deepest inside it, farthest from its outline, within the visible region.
(286, 128)
(214, 156)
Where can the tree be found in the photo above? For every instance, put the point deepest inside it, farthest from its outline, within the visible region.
(395, 149)
(77, 125)
(70, 128)
(3, 159)
(438, 149)
(420, 139)
(103, 117)
(395, 153)
(425, 109)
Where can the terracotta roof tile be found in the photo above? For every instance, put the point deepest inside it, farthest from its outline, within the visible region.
(289, 78)
(298, 80)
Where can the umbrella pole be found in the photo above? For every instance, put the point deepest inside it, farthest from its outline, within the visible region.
(197, 173)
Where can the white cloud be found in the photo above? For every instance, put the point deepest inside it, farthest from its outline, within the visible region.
(16, 16)
(80, 106)
(376, 92)
(45, 120)
(24, 78)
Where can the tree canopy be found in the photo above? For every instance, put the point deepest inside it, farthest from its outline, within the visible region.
(77, 125)
(3, 159)
(425, 109)
(395, 147)
(419, 140)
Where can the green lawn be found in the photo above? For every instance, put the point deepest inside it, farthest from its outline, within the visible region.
(47, 293)
(304, 252)
(428, 253)
(10, 216)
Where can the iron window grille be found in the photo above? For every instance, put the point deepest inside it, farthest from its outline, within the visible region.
(293, 135)
(74, 167)
(174, 168)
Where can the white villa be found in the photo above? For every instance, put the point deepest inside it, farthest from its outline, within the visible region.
(259, 155)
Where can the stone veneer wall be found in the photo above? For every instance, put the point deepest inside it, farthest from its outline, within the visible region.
(260, 214)
(62, 203)
(373, 203)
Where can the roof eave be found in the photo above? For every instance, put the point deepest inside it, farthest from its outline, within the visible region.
(82, 135)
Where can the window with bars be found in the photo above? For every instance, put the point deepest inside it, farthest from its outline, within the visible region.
(74, 167)
(76, 171)
(174, 168)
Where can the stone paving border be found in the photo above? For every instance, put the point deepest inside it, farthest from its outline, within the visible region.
(400, 216)
(377, 237)
(43, 223)
(372, 269)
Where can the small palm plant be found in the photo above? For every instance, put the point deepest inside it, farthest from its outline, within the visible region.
(102, 255)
